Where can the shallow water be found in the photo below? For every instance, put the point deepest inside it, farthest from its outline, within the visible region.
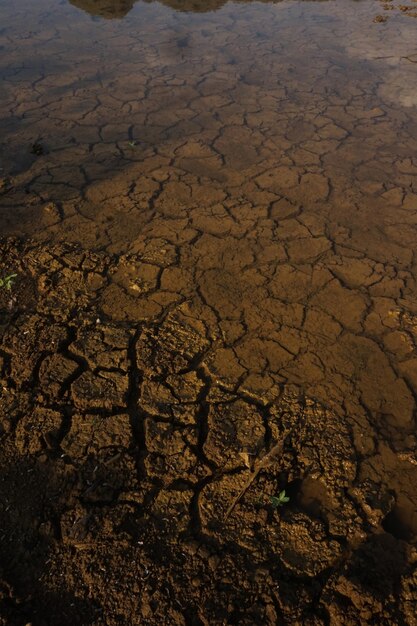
(259, 159)
(220, 101)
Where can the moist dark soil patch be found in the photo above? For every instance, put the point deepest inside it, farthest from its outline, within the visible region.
(121, 453)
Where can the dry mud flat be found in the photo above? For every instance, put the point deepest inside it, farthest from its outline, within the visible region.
(124, 454)
(233, 312)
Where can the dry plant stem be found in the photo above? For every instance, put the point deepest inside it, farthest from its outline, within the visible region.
(269, 459)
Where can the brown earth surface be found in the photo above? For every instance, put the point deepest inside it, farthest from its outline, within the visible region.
(215, 300)
(124, 455)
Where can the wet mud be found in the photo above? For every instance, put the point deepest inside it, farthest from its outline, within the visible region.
(212, 219)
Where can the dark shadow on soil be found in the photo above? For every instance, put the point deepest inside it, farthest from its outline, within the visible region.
(378, 565)
(32, 496)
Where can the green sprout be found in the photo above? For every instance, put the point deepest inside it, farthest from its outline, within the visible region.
(132, 144)
(279, 500)
(7, 281)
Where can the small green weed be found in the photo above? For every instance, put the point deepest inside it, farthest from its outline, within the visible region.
(279, 500)
(132, 144)
(7, 281)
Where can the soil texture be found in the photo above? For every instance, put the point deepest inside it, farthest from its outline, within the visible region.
(212, 222)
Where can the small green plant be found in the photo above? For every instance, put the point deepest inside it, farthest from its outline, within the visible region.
(7, 281)
(132, 144)
(279, 500)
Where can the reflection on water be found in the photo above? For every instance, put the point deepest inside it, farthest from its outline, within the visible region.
(119, 8)
(105, 8)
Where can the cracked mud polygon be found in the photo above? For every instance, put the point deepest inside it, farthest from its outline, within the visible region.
(211, 209)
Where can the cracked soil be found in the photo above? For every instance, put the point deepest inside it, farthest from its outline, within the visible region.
(211, 209)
